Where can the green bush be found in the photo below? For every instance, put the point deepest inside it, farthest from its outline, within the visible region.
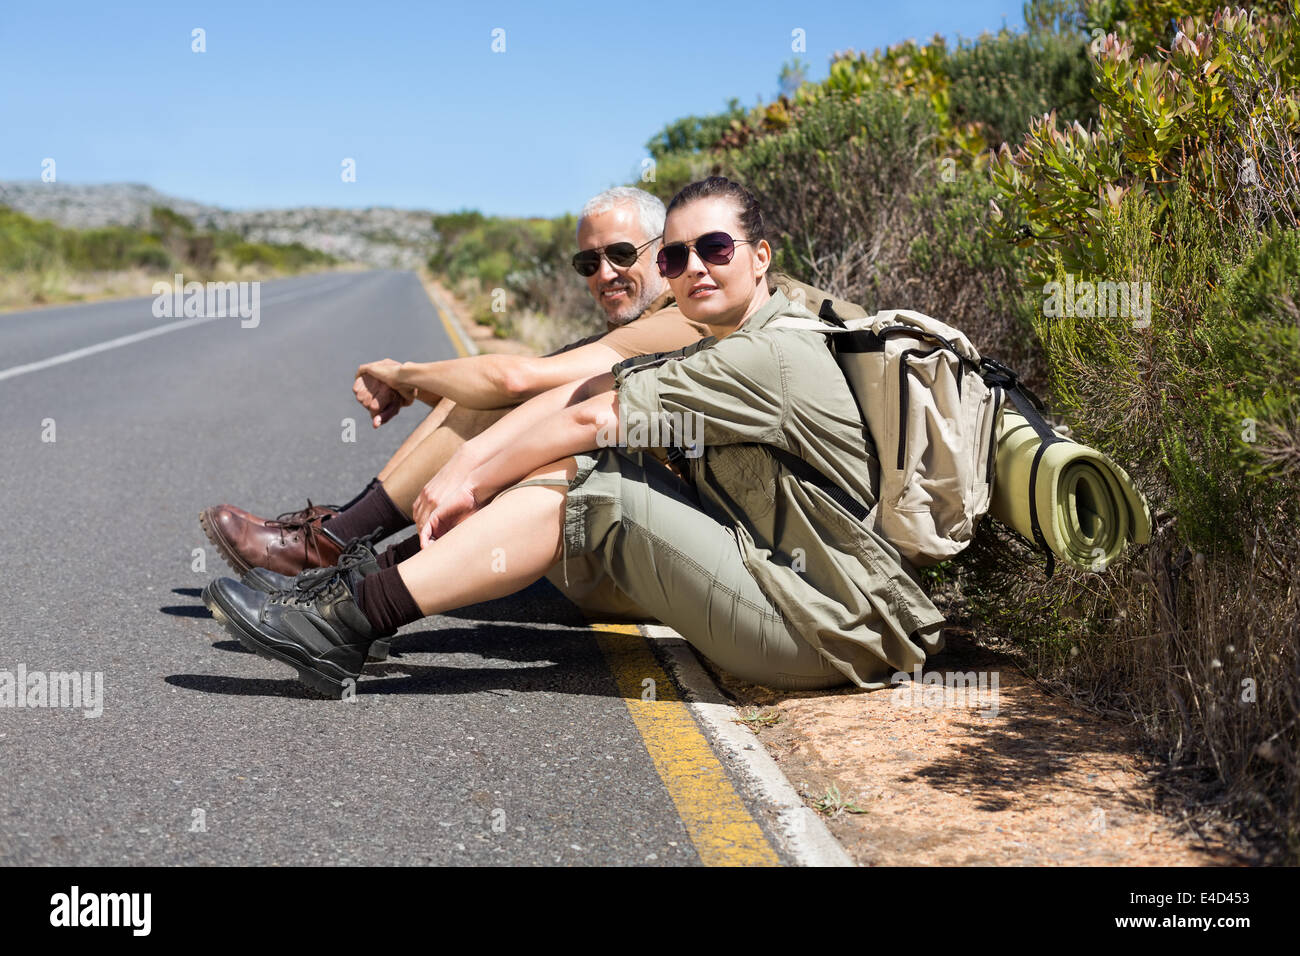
(1189, 180)
(28, 244)
(858, 204)
(1001, 81)
(695, 133)
(150, 256)
(1156, 194)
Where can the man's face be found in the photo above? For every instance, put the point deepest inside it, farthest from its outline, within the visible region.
(623, 293)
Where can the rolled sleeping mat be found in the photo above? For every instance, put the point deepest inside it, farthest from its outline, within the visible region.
(1085, 505)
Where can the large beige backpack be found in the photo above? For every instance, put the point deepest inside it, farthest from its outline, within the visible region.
(922, 390)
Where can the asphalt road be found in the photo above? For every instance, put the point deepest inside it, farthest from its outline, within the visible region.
(493, 736)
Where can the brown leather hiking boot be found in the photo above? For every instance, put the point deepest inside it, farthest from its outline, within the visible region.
(289, 544)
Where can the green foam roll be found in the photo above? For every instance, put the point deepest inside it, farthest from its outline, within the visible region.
(1088, 508)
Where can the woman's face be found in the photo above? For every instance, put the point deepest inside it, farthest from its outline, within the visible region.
(717, 295)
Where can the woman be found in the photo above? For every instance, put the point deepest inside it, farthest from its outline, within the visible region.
(752, 562)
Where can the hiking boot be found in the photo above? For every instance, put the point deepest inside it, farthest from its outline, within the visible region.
(317, 628)
(359, 555)
(288, 545)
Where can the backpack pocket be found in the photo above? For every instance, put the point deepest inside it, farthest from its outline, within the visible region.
(928, 480)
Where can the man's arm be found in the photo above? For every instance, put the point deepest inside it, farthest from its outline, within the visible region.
(498, 381)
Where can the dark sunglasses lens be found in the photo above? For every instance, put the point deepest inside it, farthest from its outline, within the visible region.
(672, 260)
(586, 263)
(716, 248)
(622, 254)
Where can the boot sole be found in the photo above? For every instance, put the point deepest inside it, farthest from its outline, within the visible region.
(223, 547)
(256, 642)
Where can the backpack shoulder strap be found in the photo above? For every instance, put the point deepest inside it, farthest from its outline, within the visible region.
(808, 325)
(802, 469)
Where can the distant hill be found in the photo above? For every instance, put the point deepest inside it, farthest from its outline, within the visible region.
(383, 237)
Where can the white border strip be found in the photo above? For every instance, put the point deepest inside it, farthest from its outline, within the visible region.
(802, 831)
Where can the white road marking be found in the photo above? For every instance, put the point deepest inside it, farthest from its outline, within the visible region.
(122, 340)
(805, 835)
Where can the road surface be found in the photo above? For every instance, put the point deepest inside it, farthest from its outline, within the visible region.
(498, 735)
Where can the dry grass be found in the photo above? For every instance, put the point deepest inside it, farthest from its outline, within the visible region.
(1201, 652)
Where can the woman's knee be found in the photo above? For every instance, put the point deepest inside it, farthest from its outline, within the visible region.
(565, 469)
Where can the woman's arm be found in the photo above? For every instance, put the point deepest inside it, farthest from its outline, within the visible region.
(541, 430)
(533, 424)
(581, 427)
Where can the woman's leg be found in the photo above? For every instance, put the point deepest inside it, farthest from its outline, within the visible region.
(501, 549)
(686, 568)
(421, 431)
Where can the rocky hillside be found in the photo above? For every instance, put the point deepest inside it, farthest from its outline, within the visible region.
(381, 237)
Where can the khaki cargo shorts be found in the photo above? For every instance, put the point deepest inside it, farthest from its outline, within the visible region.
(637, 540)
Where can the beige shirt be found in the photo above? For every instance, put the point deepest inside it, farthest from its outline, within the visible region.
(661, 328)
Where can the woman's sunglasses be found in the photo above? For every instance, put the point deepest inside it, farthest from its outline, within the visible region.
(620, 256)
(715, 248)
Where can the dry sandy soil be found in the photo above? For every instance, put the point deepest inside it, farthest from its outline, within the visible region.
(1008, 777)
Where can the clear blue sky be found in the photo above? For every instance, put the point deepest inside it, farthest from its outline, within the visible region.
(412, 91)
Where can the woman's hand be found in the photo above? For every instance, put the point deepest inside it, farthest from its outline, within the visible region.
(444, 502)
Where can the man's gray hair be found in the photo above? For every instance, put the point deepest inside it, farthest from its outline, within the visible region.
(650, 211)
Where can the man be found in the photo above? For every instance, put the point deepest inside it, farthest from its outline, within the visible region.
(618, 238)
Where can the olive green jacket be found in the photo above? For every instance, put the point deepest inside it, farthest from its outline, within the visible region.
(837, 583)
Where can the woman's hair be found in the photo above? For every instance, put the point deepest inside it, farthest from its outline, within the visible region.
(750, 215)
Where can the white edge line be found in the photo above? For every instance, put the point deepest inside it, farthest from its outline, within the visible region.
(104, 346)
(139, 336)
(803, 832)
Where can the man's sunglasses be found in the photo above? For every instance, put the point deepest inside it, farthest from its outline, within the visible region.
(716, 248)
(620, 256)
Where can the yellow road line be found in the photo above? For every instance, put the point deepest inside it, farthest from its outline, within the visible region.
(722, 830)
(453, 333)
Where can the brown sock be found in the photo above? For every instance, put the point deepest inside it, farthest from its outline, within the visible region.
(395, 554)
(374, 510)
(364, 491)
(386, 603)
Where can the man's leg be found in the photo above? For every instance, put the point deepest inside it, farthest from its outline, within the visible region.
(315, 536)
(406, 478)
(437, 415)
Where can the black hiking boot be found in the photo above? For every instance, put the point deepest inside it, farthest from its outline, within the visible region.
(359, 555)
(317, 629)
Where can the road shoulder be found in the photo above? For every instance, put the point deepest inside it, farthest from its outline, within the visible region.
(1011, 775)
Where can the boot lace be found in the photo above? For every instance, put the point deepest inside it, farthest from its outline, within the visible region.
(302, 518)
(309, 585)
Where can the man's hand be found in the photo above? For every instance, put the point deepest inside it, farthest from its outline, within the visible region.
(377, 389)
